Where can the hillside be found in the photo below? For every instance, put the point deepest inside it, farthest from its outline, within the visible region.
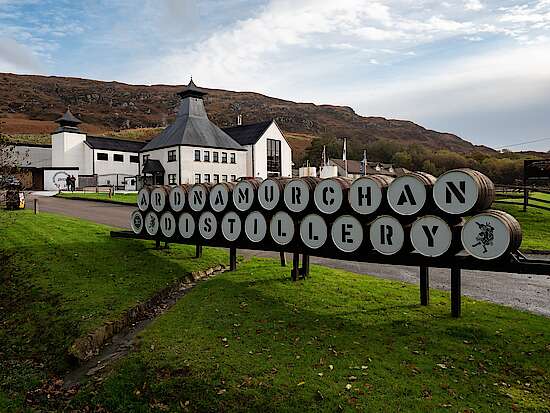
(30, 104)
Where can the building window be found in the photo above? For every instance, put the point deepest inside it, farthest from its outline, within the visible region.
(216, 178)
(224, 157)
(101, 156)
(145, 158)
(215, 157)
(171, 156)
(197, 178)
(197, 155)
(233, 178)
(172, 179)
(206, 156)
(118, 157)
(233, 158)
(224, 178)
(274, 157)
(134, 159)
(207, 178)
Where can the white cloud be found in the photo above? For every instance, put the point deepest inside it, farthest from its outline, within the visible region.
(16, 57)
(473, 5)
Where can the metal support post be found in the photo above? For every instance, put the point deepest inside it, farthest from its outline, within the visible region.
(232, 259)
(35, 206)
(455, 292)
(424, 285)
(283, 259)
(198, 251)
(295, 266)
(304, 271)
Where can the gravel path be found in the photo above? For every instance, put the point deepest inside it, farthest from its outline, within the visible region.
(526, 292)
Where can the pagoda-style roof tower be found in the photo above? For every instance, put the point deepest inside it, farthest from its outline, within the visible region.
(192, 126)
(68, 122)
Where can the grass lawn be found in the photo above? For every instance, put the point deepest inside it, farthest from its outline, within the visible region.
(103, 196)
(253, 340)
(65, 277)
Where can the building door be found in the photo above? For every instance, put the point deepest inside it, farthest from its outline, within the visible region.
(159, 179)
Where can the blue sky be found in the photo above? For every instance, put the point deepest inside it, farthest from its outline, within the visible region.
(477, 68)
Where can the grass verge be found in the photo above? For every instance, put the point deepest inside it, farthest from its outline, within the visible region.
(534, 224)
(61, 278)
(130, 199)
(253, 340)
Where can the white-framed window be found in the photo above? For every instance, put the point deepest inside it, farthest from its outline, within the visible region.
(197, 178)
(224, 157)
(206, 156)
(224, 178)
(134, 159)
(197, 155)
(172, 179)
(233, 178)
(117, 157)
(102, 156)
(207, 178)
(216, 178)
(171, 156)
(232, 158)
(215, 156)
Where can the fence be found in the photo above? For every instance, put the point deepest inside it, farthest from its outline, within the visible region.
(506, 195)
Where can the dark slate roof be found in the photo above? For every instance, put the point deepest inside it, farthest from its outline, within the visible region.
(192, 128)
(68, 119)
(152, 166)
(192, 90)
(248, 134)
(113, 144)
(354, 167)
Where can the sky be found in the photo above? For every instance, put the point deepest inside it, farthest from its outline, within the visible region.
(476, 68)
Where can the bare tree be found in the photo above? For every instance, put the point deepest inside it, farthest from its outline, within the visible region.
(10, 167)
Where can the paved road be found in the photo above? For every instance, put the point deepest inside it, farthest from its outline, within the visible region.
(527, 292)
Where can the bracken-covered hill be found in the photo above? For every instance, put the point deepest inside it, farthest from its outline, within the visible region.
(30, 104)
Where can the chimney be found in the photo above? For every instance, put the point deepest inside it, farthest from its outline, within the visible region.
(239, 119)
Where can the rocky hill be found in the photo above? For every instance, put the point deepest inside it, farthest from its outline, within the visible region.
(30, 104)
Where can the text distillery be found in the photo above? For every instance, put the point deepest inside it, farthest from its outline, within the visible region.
(335, 217)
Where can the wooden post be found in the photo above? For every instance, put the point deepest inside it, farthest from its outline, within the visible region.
(304, 271)
(424, 285)
(157, 244)
(283, 259)
(455, 292)
(198, 251)
(232, 259)
(35, 206)
(525, 197)
(295, 266)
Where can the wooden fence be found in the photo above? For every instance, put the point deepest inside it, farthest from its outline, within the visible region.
(507, 195)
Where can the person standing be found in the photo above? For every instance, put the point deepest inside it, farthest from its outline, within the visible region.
(68, 182)
(73, 183)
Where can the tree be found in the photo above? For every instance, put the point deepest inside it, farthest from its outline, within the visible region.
(402, 160)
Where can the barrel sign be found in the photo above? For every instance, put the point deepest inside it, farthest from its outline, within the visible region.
(336, 217)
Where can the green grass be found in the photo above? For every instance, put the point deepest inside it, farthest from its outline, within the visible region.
(534, 222)
(253, 340)
(65, 277)
(102, 196)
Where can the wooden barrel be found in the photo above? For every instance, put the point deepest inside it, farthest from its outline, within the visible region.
(298, 193)
(330, 193)
(255, 227)
(159, 197)
(411, 194)
(144, 198)
(491, 234)
(270, 192)
(221, 196)
(432, 236)
(178, 197)
(282, 228)
(245, 194)
(368, 193)
(313, 231)
(463, 191)
(151, 223)
(388, 236)
(198, 196)
(347, 233)
(168, 224)
(137, 222)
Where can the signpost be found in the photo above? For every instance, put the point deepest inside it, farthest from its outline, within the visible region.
(412, 220)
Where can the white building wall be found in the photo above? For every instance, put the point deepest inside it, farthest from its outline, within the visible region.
(67, 149)
(260, 154)
(88, 167)
(162, 156)
(190, 167)
(106, 171)
(56, 179)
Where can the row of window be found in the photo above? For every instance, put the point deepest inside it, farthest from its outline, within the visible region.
(117, 157)
(216, 178)
(215, 156)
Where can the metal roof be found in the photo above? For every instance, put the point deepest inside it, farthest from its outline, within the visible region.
(68, 119)
(152, 166)
(248, 134)
(192, 128)
(192, 90)
(113, 144)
